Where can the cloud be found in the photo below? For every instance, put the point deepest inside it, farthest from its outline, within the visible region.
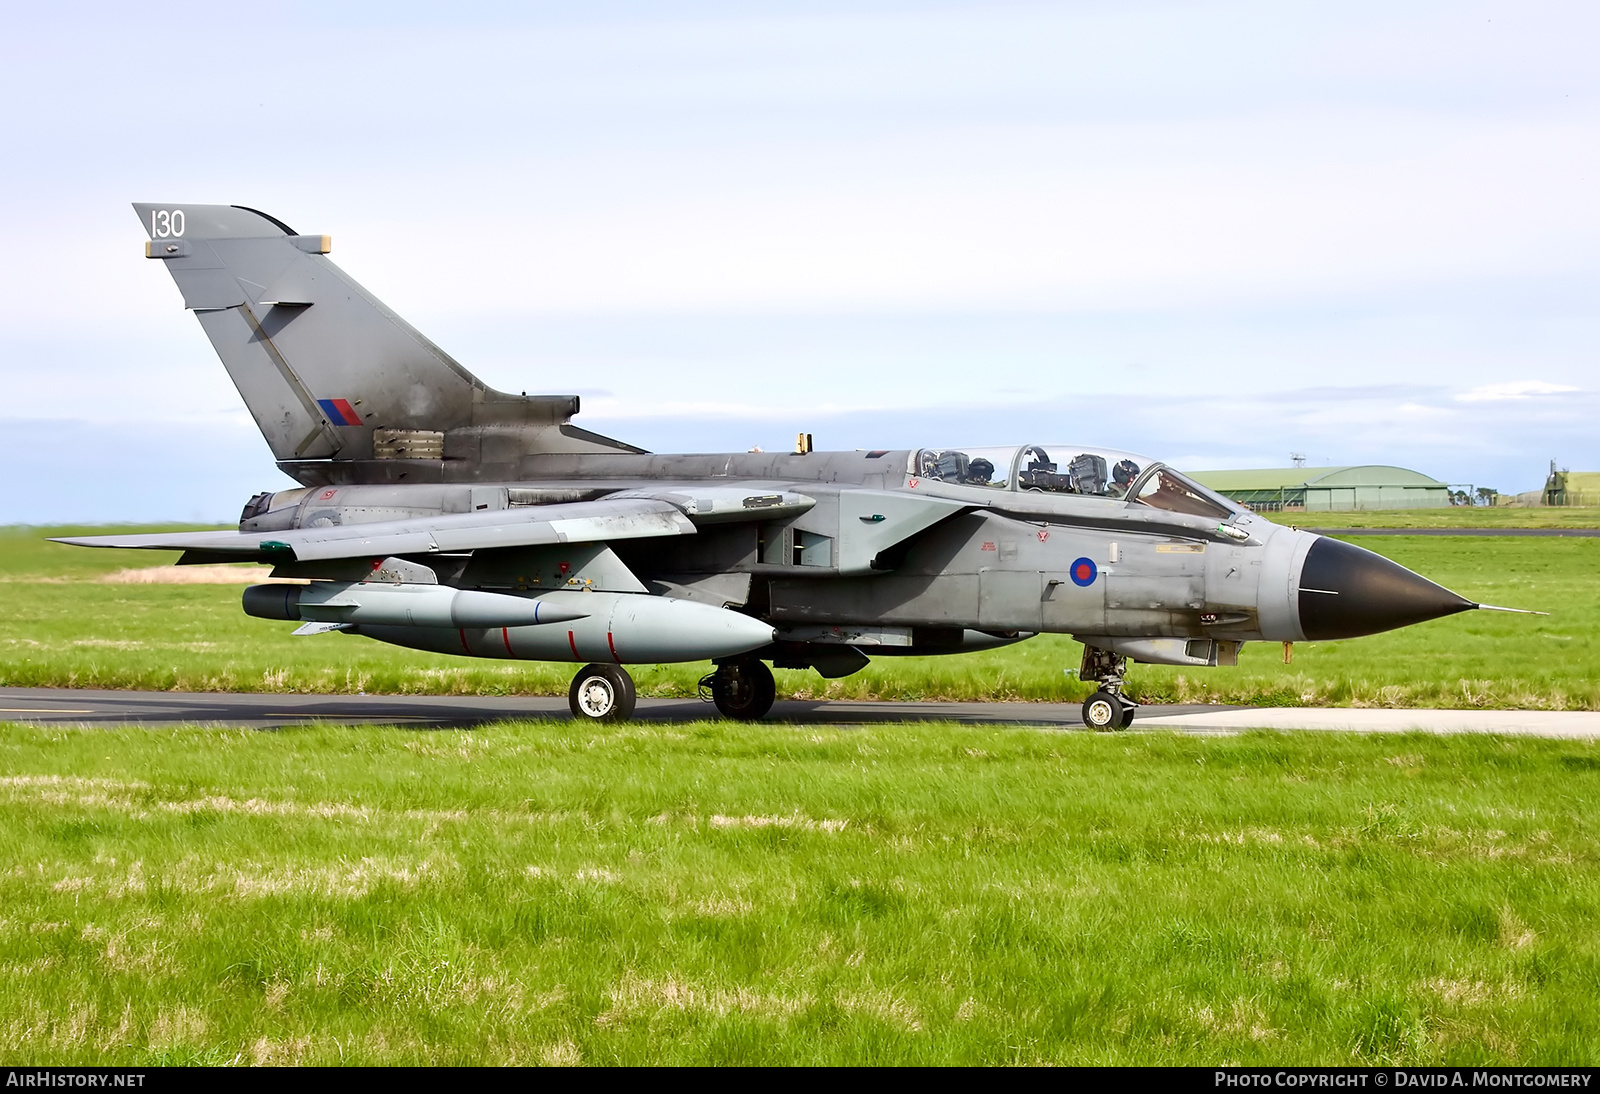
(1221, 229)
(1513, 389)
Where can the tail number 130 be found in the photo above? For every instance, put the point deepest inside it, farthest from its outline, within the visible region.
(166, 223)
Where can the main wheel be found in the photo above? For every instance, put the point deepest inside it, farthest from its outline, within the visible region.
(1103, 711)
(1127, 713)
(602, 693)
(743, 689)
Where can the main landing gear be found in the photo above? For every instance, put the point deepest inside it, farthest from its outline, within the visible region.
(602, 693)
(742, 689)
(1106, 709)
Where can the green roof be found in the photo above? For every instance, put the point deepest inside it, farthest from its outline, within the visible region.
(1272, 478)
(1293, 478)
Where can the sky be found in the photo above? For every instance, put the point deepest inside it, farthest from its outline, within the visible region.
(1217, 233)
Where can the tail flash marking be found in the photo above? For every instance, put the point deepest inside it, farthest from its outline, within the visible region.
(613, 646)
(505, 636)
(573, 642)
(339, 411)
(463, 633)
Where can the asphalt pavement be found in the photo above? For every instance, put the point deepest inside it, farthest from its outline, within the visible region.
(266, 711)
(269, 711)
(1570, 724)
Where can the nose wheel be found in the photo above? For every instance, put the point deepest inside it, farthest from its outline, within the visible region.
(1106, 709)
(1104, 712)
(602, 693)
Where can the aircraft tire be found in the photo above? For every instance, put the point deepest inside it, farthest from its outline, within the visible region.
(602, 693)
(743, 690)
(1127, 714)
(1103, 712)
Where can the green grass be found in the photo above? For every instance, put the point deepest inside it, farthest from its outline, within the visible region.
(60, 628)
(27, 553)
(713, 893)
(1449, 517)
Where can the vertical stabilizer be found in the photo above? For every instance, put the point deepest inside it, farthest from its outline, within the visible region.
(329, 372)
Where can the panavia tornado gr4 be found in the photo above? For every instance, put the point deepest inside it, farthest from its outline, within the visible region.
(439, 514)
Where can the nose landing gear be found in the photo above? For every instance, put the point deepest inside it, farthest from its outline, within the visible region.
(1106, 709)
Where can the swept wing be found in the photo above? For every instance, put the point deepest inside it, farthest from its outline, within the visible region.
(578, 522)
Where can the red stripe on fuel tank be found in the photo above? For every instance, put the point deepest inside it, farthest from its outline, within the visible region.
(573, 642)
(613, 646)
(505, 636)
(463, 633)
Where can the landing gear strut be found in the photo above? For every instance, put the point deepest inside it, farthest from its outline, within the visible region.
(1106, 709)
(742, 689)
(602, 693)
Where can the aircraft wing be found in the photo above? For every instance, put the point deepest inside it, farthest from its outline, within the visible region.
(578, 522)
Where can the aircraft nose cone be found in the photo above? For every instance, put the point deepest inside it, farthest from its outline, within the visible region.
(1346, 591)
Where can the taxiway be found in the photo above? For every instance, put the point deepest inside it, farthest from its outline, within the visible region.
(272, 711)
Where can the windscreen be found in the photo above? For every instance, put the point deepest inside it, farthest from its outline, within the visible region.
(1165, 489)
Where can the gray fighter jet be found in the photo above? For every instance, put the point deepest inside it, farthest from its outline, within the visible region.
(439, 514)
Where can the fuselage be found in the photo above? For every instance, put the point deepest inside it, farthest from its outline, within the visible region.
(995, 561)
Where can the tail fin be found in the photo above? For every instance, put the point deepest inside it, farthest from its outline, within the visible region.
(329, 373)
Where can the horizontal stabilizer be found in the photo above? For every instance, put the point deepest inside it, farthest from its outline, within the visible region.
(580, 522)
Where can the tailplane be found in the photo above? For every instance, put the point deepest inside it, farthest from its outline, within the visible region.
(341, 387)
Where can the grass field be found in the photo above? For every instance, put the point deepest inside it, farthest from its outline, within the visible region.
(62, 626)
(717, 893)
(721, 893)
(1448, 517)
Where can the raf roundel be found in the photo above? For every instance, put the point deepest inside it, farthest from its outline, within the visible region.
(1083, 572)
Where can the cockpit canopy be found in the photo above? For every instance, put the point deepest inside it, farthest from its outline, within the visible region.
(1071, 469)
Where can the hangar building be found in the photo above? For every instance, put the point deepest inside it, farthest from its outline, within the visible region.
(1572, 487)
(1369, 486)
